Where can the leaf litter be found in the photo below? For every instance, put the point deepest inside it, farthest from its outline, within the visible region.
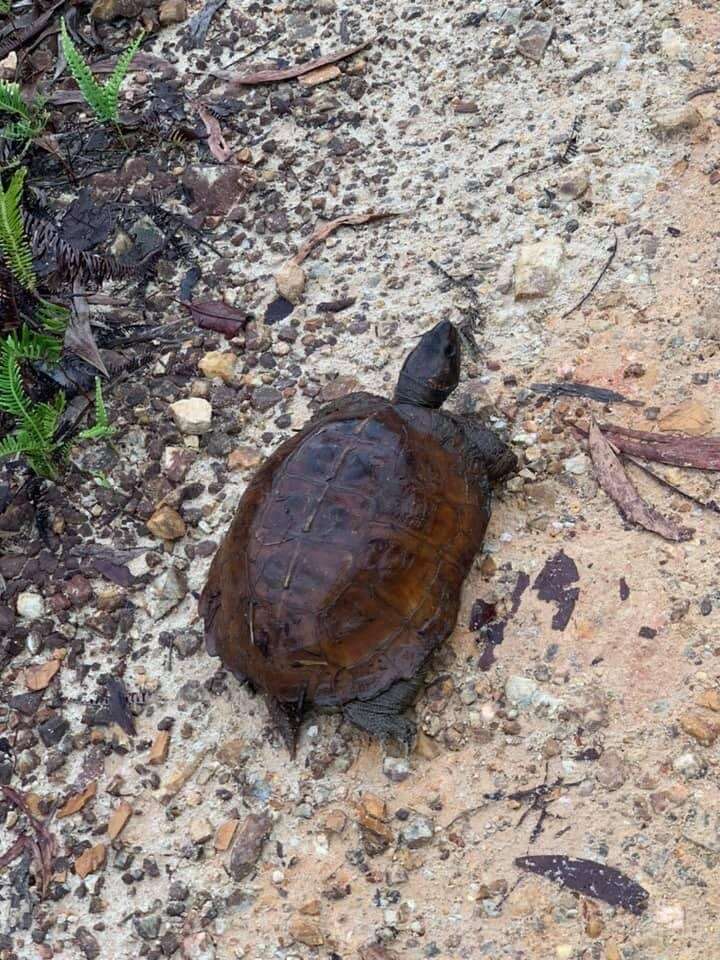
(619, 487)
(275, 75)
(41, 845)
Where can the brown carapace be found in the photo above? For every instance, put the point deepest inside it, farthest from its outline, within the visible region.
(342, 569)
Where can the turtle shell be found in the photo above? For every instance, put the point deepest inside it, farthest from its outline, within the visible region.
(343, 567)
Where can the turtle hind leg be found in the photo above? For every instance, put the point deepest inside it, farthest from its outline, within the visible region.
(382, 716)
(287, 718)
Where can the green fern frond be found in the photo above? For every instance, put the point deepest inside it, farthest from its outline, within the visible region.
(101, 417)
(34, 436)
(101, 428)
(115, 80)
(13, 242)
(30, 118)
(13, 398)
(102, 98)
(5, 6)
(30, 345)
(52, 317)
(11, 100)
(90, 88)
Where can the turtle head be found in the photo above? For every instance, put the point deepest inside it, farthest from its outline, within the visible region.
(431, 372)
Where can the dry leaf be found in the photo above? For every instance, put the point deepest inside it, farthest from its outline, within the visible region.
(39, 676)
(41, 846)
(289, 73)
(321, 75)
(618, 486)
(90, 860)
(589, 878)
(75, 803)
(217, 315)
(216, 141)
(322, 232)
(118, 818)
(79, 338)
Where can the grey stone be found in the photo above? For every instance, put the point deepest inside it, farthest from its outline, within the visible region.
(147, 927)
(417, 832)
(521, 691)
(537, 267)
(396, 769)
(169, 589)
(703, 828)
(249, 842)
(611, 770)
(675, 120)
(534, 40)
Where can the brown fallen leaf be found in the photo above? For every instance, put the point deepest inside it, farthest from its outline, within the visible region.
(79, 338)
(216, 141)
(90, 860)
(321, 75)
(590, 878)
(118, 819)
(75, 803)
(216, 315)
(618, 486)
(321, 233)
(42, 845)
(39, 676)
(289, 73)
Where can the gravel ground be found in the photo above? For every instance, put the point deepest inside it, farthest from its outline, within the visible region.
(517, 142)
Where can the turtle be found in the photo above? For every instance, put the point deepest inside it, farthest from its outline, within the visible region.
(342, 569)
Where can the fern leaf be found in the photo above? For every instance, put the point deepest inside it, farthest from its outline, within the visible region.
(31, 119)
(12, 237)
(11, 100)
(115, 80)
(52, 317)
(90, 88)
(101, 417)
(12, 446)
(101, 428)
(12, 394)
(30, 345)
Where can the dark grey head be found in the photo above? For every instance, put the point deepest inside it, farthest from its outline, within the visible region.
(431, 372)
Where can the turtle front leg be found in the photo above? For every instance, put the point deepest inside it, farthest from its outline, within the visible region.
(500, 460)
(382, 716)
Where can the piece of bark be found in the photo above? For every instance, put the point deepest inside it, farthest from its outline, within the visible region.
(118, 819)
(75, 803)
(702, 453)
(90, 860)
(159, 749)
(615, 482)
